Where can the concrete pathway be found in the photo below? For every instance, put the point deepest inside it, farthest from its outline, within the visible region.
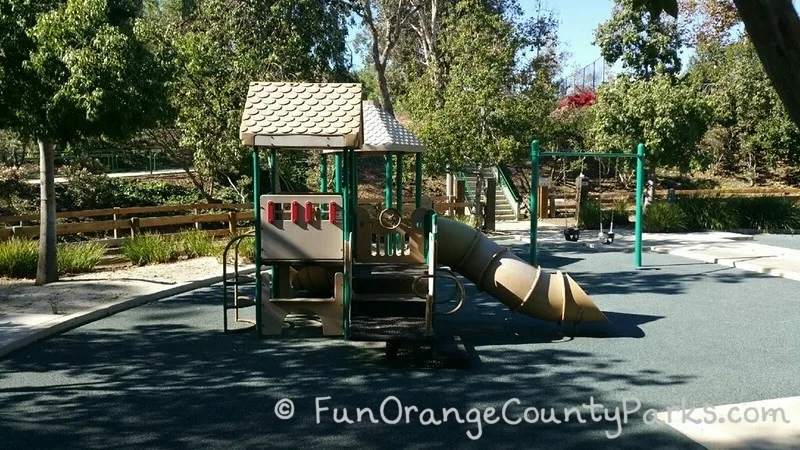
(725, 249)
(145, 173)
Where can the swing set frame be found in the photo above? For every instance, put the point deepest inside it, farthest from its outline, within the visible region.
(536, 154)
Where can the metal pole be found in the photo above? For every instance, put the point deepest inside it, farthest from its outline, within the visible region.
(387, 200)
(399, 184)
(337, 173)
(418, 181)
(637, 251)
(257, 237)
(387, 195)
(534, 201)
(323, 173)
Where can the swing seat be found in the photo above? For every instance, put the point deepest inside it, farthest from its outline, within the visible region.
(607, 237)
(572, 234)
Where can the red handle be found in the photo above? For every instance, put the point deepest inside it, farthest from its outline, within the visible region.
(295, 212)
(308, 212)
(332, 212)
(270, 211)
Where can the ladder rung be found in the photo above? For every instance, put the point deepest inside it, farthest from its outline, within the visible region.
(241, 302)
(302, 300)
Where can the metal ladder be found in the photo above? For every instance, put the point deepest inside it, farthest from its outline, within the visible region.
(236, 301)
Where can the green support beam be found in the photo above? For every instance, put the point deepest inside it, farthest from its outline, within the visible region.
(534, 202)
(257, 238)
(399, 183)
(637, 250)
(337, 172)
(323, 172)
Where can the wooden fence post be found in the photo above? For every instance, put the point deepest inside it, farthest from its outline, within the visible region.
(116, 217)
(134, 226)
(232, 223)
(196, 212)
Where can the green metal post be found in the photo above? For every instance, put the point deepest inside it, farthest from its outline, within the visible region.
(637, 250)
(399, 184)
(387, 200)
(257, 238)
(346, 178)
(323, 173)
(399, 195)
(418, 180)
(534, 201)
(337, 172)
(274, 180)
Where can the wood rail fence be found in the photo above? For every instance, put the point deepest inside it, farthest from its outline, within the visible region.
(118, 222)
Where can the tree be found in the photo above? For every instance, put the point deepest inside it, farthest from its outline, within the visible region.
(774, 29)
(73, 69)
(646, 43)
(708, 21)
(484, 116)
(668, 116)
(215, 48)
(751, 127)
(385, 21)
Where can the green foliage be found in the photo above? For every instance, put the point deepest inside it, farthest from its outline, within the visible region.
(710, 213)
(477, 113)
(16, 196)
(150, 248)
(471, 221)
(752, 130)
(669, 117)
(80, 257)
(647, 43)
(665, 217)
(769, 214)
(764, 214)
(196, 244)
(86, 189)
(215, 48)
(78, 68)
(592, 212)
(18, 258)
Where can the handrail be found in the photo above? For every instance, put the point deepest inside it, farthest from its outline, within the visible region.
(513, 197)
(469, 195)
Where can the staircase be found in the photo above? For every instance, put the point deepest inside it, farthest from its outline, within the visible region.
(503, 208)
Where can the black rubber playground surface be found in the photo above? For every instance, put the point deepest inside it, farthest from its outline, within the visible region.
(164, 376)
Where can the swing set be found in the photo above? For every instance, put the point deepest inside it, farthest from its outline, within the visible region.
(573, 233)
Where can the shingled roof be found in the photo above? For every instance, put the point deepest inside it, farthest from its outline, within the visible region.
(302, 115)
(383, 133)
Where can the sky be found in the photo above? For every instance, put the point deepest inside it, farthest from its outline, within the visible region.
(577, 22)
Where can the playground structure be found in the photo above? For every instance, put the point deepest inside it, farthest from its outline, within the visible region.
(368, 275)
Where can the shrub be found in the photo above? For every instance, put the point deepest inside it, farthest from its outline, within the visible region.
(472, 221)
(590, 214)
(664, 217)
(150, 248)
(767, 214)
(247, 250)
(18, 258)
(195, 244)
(710, 213)
(80, 257)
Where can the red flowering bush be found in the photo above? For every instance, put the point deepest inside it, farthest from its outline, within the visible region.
(578, 100)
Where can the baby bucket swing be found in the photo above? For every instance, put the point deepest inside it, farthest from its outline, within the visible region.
(606, 237)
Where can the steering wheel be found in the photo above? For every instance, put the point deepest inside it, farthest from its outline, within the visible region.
(390, 218)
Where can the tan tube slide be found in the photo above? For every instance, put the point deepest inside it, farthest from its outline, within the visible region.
(521, 287)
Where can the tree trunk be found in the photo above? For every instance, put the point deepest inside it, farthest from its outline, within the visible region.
(774, 28)
(47, 269)
(383, 86)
